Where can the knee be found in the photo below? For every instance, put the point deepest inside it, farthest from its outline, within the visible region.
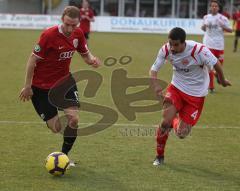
(183, 132)
(166, 124)
(73, 121)
(54, 125)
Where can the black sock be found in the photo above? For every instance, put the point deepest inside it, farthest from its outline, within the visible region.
(69, 137)
(235, 44)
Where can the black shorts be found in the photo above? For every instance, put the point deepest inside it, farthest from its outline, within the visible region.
(45, 108)
(237, 33)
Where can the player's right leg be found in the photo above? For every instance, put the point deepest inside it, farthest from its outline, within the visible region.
(46, 110)
(237, 34)
(169, 112)
(172, 103)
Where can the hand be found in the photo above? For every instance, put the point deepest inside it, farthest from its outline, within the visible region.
(158, 91)
(204, 27)
(26, 94)
(95, 62)
(226, 83)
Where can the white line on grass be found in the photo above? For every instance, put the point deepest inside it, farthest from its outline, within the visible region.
(117, 124)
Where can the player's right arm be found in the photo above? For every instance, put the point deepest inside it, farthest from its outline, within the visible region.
(159, 62)
(26, 93)
(38, 53)
(220, 76)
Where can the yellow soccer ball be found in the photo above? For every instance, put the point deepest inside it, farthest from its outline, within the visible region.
(57, 163)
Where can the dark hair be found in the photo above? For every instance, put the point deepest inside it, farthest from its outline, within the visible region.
(177, 33)
(215, 1)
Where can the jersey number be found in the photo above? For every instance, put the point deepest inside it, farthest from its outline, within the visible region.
(194, 114)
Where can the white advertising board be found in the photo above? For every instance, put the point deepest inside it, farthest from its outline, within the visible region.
(146, 25)
(105, 24)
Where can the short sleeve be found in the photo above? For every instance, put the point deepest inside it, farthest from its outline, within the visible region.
(41, 47)
(207, 57)
(82, 45)
(161, 58)
(204, 21)
(225, 22)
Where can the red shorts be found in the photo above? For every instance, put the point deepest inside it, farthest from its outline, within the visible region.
(219, 54)
(189, 107)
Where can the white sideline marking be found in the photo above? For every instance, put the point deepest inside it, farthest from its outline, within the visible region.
(119, 125)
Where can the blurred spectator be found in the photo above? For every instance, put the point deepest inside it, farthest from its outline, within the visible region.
(130, 12)
(86, 17)
(236, 25)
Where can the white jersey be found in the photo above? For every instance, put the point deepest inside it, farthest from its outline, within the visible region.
(190, 67)
(214, 35)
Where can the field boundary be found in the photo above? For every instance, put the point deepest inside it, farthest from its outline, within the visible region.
(7, 122)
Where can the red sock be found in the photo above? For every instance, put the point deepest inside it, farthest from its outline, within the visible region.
(211, 76)
(161, 141)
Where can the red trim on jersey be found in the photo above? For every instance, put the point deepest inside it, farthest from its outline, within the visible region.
(167, 52)
(37, 55)
(193, 51)
(201, 49)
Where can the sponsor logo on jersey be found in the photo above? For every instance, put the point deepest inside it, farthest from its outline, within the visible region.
(66, 55)
(181, 69)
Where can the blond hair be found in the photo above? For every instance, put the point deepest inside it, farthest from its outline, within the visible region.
(71, 11)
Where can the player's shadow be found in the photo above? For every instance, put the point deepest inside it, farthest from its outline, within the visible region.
(202, 172)
(88, 179)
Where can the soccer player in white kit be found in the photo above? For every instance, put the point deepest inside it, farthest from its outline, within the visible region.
(184, 97)
(214, 25)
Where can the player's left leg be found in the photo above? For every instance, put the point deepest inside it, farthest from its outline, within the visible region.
(188, 115)
(162, 133)
(70, 132)
(72, 115)
(219, 54)
(172, 103)
(211, 86)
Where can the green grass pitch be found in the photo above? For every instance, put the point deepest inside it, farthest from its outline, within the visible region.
(120, 157)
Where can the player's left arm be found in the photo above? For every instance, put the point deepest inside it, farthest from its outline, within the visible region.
(218, 68)
(211, 61)
(85, 52)
(91, 60)
(225, 24)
